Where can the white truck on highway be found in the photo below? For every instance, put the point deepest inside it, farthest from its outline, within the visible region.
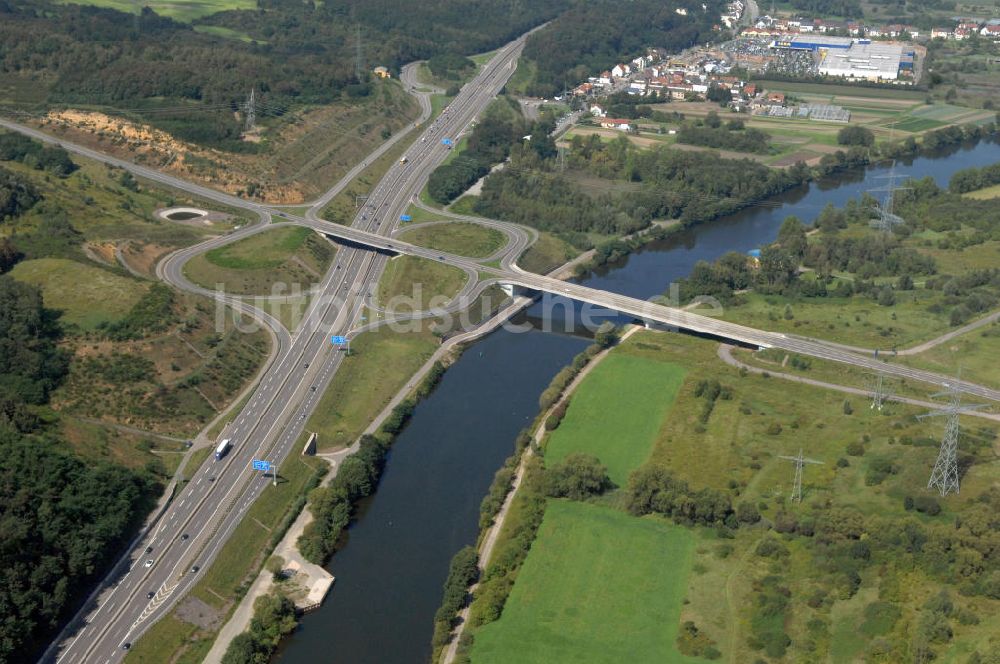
(222, 449)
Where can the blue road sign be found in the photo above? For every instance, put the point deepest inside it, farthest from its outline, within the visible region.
(338, 341)
(260, 464)
(405, 217)
(445, 141)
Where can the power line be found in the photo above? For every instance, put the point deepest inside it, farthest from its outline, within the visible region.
(887, 219)
(880, 390)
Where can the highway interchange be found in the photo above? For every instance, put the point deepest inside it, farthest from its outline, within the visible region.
(196, 524)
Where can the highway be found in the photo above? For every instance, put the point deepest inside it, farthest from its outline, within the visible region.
(200, 518)
(198, 521)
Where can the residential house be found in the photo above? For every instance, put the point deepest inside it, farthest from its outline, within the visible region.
(597, 111)
(992, 31)
(940, 33)
(621, 71)
(621, 124)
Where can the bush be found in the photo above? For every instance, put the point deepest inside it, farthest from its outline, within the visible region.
(462, 573)
(856, 135)
(855, 448)
(577, 477)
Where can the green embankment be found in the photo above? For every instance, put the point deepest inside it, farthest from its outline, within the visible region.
(272, 262)
(460, 238)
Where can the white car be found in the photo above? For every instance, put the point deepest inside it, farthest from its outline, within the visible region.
(148, 563)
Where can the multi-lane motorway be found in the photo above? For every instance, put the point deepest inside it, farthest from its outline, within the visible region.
(200, 518)
(198, 521)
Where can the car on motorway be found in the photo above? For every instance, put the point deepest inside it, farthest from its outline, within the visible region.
(148, 563)
(126, 645)
(185, 536)
(150, 595)
(149, 549)
(194, 569)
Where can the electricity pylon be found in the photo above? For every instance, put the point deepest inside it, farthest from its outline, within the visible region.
(800, 462)
(250, 109)
(887, 219)
(944, 476)
(880, 390)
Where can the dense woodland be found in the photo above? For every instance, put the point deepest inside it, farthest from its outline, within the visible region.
(305, 54)
(594, 35)
(63, 520)
(693, 186)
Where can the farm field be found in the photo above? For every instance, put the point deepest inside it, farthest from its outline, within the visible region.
(457, 237)
(578, 599)
(616, 413)
(276, 260)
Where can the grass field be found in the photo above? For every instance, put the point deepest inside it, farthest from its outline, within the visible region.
(858, 321)
(986, 193)
(380, 363)
(414, 284)
(545, 255)
(271, 262)
(597, 586)
(914, 124)
(180, 10)
(616, 413)
(461, 238)
(85, 294)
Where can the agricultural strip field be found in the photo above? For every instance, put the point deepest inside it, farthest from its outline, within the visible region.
(598, 586)
(458, 237)
(282, 258)
(616, 413)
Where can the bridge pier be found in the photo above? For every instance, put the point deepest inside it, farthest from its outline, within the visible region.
(514, 291)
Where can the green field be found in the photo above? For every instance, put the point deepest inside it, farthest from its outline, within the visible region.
(86, 295)
(985, 193)
(915, 124)
(422, 283)
(545, 255)
(857, 321)
(616, 413)
(181, 10)
(459, 237)
(272, 262)
(597, 586)
(380, 363)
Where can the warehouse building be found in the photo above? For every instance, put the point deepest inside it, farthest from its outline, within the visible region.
(865, 61)
(812, 43)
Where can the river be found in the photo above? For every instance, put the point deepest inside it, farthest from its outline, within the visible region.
(390, 573)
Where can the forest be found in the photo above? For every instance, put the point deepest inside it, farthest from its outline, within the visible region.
(189, 83)
(63, 520)
(594, 35)
(691, 186)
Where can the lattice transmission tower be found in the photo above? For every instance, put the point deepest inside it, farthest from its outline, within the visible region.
(887, 219)
(250, 111)
(800, 462)
(880, 390)
(944, 476)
